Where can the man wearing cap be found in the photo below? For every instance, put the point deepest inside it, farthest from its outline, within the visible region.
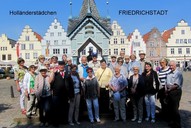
(142, 60)
(95, 64)
(113, 63)
(60, 88)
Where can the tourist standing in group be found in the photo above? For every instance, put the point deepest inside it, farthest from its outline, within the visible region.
(54, 64)
(94, 63)
(174, 93)
(19, 73)
(136, 90)
(123, 70)
(151, 88)
(118, 85)
(103, 75)
(122, 54)
(162, 74)
(134, 63)
(60, 85)
(68, 66)
(76, 92)
(127, 60)
(82, 68)
(113, 63)
(28, 83)
(64, 58)
(92, 92)
(142, 60)
(41, 60)
(44, 97)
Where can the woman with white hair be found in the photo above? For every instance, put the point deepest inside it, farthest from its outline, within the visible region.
(118, 85)
(136, 89)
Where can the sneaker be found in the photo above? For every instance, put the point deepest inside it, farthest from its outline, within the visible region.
(78, 123)
(134, 119)
(98, 120)
(71, 123)
(139, 121)
(147, 119)
(153, 121)
(92, 121)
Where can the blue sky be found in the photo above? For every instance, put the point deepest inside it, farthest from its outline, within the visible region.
(12, 25)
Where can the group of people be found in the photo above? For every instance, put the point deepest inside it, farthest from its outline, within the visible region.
(58, 88)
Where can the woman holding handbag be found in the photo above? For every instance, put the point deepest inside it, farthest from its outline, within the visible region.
(151, 88)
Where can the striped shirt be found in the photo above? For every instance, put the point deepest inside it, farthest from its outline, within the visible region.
(162, 74)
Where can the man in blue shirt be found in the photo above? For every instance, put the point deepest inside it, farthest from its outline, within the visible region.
(174, 91)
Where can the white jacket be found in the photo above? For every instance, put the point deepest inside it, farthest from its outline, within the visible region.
(26, 82)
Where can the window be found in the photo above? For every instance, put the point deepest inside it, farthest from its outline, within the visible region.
(55, 42)
(136, 44)
(181, 41)
(56, 51)
(185, 41)
(20, 55)
(122, 40)
(151, 53)
(35, 55)
(115, 40)
(116, 51)
(84, 52)
(179, 50)
(9, 57)
(187, 50)
(27, 38)
(23, 47)
(123, 49)
(27, 55)
(31, 46)
(3, 49)
(136, 37)
(55, 27)
(59, 34)
(156, 63)
(114, 26)
(109, 51)
(52, 34)
(182, 32)
(177, 41)
(65, 51)
(3, 57)
(172, 50)
(189, 40)
(109, 41)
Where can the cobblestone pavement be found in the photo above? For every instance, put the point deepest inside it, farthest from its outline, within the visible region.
(11, 117)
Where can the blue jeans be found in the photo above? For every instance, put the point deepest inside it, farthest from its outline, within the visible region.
(96, 108)
(150, 105)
